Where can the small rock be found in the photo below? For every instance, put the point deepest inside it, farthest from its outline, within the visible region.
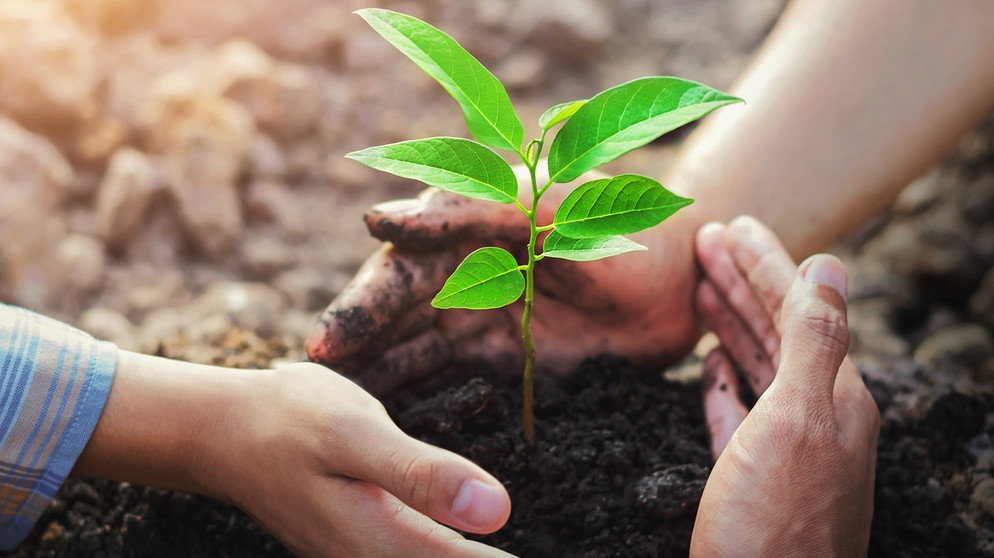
(152, 287)
(48, 66)
(110, 16)
(81, 263)
(204, 140)
(985, 373)
(346, 173)
(920, 194)
(52, 535)
(295, 28)
(265, 158)
(967, 343)
(98, 140)
(985, 461)
(271, 200)
(568, 25)
(524, 68)
(265, 256)
(305, 160)
(981, 304)
(982, 499)
(31, 167)
(672, 492)
(309, 290)
(285, 99)
(124, 197)
(978, 203)
(35, 179)
(935, 247)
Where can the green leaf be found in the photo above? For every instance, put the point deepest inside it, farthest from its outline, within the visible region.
(458, 165)
(487, 278)
(627, 117)
(484, 101)
(558, 113)
(587, 249)
(620, 205)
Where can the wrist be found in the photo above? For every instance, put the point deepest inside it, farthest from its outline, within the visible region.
(166, 424)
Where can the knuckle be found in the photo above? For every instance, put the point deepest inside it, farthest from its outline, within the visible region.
(414, 480)
(827, 324)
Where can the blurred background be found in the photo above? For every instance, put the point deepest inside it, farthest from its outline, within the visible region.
(170, 169)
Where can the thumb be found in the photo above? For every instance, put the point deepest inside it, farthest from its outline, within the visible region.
(438, 483)
(437, 220)
(815, 329)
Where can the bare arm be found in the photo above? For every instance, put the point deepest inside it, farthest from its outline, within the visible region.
(847, 102)
(303, 450)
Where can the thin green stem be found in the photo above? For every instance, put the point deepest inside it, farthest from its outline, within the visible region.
(546, 228)
(528, 383)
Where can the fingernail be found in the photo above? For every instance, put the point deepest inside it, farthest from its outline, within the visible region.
(399, 208)
(826, 270)
(710, 231)
(479, 504)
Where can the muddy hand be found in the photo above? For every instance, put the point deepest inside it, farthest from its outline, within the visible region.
(383, 331)
(794, 475)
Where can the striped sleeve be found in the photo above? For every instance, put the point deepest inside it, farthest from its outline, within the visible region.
(54, 382)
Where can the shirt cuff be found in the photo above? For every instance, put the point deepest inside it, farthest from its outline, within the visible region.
(54, 383)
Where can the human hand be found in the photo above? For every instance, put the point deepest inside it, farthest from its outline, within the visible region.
(383, 331)
(318, 462)
(301, 449)
(794, 475)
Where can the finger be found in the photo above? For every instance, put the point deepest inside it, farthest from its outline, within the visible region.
(723, 406)
(436, 220)
(769, 269)
(382, 525)
(500, 348)
(855, 408)
(403, 364)
(433, 481)
(714, 243)
(388, 285)
(735, 337)
(816, 332)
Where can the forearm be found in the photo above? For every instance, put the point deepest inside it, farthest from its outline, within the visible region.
(846, 103)
(162, 422)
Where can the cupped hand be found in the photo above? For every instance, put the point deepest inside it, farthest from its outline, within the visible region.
(794, 475)
(383, 331)
(318, 462)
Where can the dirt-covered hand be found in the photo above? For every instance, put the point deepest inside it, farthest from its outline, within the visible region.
(383, 331)
(318, 462)
(794, 475)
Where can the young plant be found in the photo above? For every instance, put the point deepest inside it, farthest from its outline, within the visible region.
(591, 219)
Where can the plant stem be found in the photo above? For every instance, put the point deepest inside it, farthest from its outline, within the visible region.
(528, 416)
(528, 383)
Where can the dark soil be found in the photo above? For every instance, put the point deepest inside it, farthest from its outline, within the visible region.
(619, 463)
(618, 468)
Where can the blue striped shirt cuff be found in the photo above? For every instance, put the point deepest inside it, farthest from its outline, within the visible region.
(54, 383)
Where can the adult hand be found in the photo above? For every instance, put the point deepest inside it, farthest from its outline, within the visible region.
(382, 329)
(318, 462)
(301, 449)
(794, 475)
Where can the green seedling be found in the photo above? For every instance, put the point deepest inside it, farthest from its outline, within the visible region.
(591, 220)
